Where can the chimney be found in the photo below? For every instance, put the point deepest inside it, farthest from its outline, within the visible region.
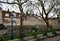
(0, 15)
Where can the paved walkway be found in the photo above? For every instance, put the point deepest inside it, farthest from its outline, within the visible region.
(57, 38)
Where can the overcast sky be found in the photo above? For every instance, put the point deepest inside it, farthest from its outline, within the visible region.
(16, 9)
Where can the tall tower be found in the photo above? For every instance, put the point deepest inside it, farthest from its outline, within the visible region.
(0, 15)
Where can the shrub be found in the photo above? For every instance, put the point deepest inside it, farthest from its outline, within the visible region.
(2, 38)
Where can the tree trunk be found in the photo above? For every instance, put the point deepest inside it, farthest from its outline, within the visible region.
(47, 24)
(21, 29)
(58, 19)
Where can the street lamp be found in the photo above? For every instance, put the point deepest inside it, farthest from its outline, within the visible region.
(12, 33)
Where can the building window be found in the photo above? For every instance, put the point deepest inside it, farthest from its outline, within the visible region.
(6, 19)
(14, 20)
(14, 14)
(7, 15)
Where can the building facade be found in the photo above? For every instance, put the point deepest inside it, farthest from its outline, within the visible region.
(5, 18)
(28, 20)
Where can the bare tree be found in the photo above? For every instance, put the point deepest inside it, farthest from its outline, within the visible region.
(45, 12)
(57, 10)
(19, 3)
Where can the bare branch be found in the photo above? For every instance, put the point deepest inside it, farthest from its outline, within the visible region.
(42, 5)
(37, 8)
(24, 2)
(52, 16)
(51, 8)
(56, 10)
(8, 2)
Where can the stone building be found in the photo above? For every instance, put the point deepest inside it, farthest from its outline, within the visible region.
(5, 18)
(28, 20)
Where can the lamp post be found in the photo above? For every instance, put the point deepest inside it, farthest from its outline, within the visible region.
(12, 33)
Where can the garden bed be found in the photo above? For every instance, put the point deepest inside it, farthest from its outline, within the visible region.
(42, 34)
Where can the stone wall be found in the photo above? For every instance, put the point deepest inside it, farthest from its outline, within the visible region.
(0, 16)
